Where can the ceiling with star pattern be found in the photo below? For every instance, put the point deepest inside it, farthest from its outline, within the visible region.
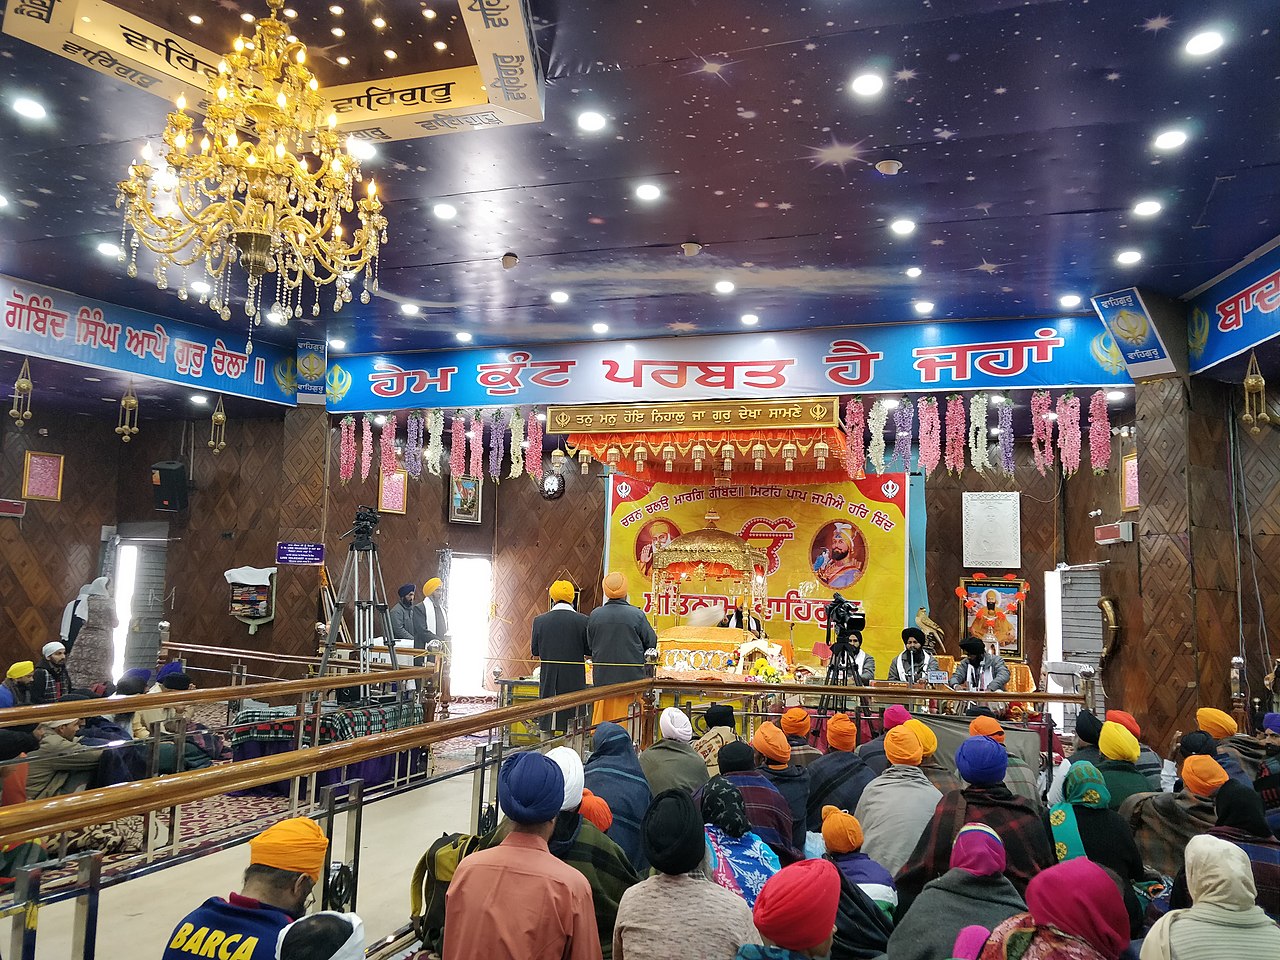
(1026, 133)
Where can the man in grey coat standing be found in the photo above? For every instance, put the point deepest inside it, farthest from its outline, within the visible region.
(618, 635)
(409, 621)
(560, 641)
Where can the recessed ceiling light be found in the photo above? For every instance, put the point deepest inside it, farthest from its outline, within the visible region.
(199, 398)
(591, 121)
(31, 109)
(1048, 415)
(445, 211)
(4, 201)
(1147, 208)
(867, 84)
(1116, 395)
(409, 309)
(600, 328)
(337, 343)
(724, 286)
(441, 46)
(361, 149)
(379, 420)
(336, 10)
(648, 191)
(463, 336)
(196, 19)
(542, 417)
(429, 13)
(1203, 43)
(390, 54)
(379, 23)
(199, 286)
(1169, 140)
(276, 317)
(914, 271)
(247, 17)
(108, 249)
(343, 61)
(92, 379)
(750, 319)
(998, 399)
(923, 306)
(903, 228)
(338, 32)
(1069, 300)
(291, 13)
(559, 296)
(1128, 256)
(892, 403)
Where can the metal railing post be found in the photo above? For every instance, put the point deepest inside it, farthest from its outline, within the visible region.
(84, 937)
(26, 892)
(477, 787)
(353, 807)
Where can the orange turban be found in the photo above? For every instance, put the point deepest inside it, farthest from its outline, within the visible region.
(561, 591)
(841, 832)
(842, 733)
(297, 845)
(1203, 775)
(985, 726)
(430, 587)
(928, 739)
(615, 586)
(796, 723)
(903, 747)
(1125, 720)
(771, 742)
(596, 809)
(1215, 723)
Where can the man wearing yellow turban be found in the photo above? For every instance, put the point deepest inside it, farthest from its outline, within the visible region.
(618, 635)
(560, 640)
(285, 864)
(1241, 755)
(1119, 769)
(15, 691)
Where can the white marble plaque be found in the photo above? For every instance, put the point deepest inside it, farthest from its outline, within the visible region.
(992, 531)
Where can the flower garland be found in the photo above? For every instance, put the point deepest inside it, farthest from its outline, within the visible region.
(435, 441)
(387, 445)
(534, 461)
(517, 444)
(1041, 431)
(497, 434)
(458, 445)
(1006, 438)
(930, 436)
(476, 436)
(1068, 410)
(875, 423)
(347, 449)
(955, 434)
(1099, 433)
(903, 418)
(855, 425)
(979, 446)
(413, 424)
(366, 447)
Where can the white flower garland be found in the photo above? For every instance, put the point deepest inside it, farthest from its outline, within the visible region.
(435, 441)
(517, 444)
(979, 447)
(876, 420)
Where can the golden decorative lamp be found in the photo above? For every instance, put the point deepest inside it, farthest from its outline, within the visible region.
(127, 426)
(698, 453)
(584, 460)
(1255, 414)
(821, 450)
(726, 454)
(789, 452)
(639, 457)
(22, 388)
(669, 456)
(757, 454)
(218, 429)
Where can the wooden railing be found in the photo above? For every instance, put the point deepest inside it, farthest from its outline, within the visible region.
(238, 653)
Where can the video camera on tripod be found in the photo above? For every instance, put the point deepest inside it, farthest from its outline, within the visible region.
(847, 618)
(362, 527)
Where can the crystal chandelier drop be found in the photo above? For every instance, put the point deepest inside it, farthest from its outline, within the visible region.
(265, 186)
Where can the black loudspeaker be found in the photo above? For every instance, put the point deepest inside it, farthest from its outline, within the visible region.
(169, 485)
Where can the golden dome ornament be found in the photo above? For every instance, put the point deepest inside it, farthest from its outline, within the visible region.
(698, 453)
(218, 429)
(1255, 414)
(22, 388)
(640, 456)
(757, 454)
(789, 453)
(821, 450)
(669, 456)
(584, 461)
(726, 455)
(557, 461)
(127, 427)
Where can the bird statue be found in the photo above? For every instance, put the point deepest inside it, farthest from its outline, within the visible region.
(932, 632)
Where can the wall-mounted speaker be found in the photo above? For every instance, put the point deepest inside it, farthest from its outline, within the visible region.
(169, 485)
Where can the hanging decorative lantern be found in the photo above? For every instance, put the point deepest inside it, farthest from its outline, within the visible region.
(757, 454)
(557, 461)
(726, 454)
(22, 388)
(821, 450)
(669, 456)
(584, 460)
(640, 456)
(1255, 397)
(612, 457)
(698, 453)
(128, 423)
(218, 429)
(789, 451)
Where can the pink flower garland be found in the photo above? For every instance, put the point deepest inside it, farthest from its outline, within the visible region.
(855, 425)
(533, 461)
(1099, 433)
(930, 436)
(347, 449)
(387, 445)
(957, 434)
(476, 437)
(458, 445)
(1041, 431)
(1068, 410)
(366, 447)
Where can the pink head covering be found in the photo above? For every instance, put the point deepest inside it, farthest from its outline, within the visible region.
(1079, 898)
(970, 942)
(978, 850)
(895, 715)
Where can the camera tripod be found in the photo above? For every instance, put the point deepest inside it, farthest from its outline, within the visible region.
(841, 668)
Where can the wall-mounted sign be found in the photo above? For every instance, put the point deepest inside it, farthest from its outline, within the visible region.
(300, 554)
(1236, 313)
(699, 415)
(1136, 333)
(310, 369)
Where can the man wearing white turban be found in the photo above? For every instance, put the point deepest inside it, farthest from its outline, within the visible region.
(672, 762)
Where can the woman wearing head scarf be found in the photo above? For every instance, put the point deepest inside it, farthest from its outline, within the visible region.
(95, 651)
(1075, 912)
(1084, 826)
(613, 773)
(974, 891)
(672, 762)
(740, 861)
(1224, 920)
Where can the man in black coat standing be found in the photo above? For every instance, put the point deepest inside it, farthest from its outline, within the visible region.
(560, 640)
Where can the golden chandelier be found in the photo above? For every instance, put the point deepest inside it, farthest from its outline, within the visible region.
(266, 187)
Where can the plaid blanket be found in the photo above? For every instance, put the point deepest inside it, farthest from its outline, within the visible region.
(1163, 824)
(767, 812)
(837, 778)
(579, 844)
(340, 725)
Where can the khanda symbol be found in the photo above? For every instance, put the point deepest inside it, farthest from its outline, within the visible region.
(337, 383)
(1198, 332)
(311, 367)
(286, 376)
(1106, 353)
(1130, 326)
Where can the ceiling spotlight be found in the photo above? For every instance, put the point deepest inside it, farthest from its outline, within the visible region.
(380, 419)
(1068, 300)
(343, 61)
(337, 31)
(379, 23)
(1115, 396)
(599, 328)
(1048, 415)
(199, 286)
(276, 317)
(648, 191)
(361, 149)
(409, 309)
(1128, 256)
(247, 17)
(591, 121)
(390, 54)
(31, 109)
(1169, 140)
(199, 398)
(867, 84)
(889, 168)
(336, 10)
(903, 228)
(998, 399)
(429, 13)
(196, 19)
(690, 248)
(995, 431)
(108, 249)
(1203, 43)
(542, 417)
(724, 286)
(892, 403)
(559, 296)
(463, 336)
(509, 260)
(923, 306)
(1147, 208)
(914, 271)
(441, 46)
(291, 13)
(445, 211)
(750, 319)
(337, 343)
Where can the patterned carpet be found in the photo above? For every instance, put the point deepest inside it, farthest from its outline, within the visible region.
(460, 751)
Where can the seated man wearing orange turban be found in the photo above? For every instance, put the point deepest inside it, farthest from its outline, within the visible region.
(285, 864)
(792, 781)
(1164, 823)
(838, 777)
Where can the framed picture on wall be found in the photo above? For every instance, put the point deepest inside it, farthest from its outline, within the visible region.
(1129, 482)
(393, 492)
(464, 500)
(991, 611)
(42, 476)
